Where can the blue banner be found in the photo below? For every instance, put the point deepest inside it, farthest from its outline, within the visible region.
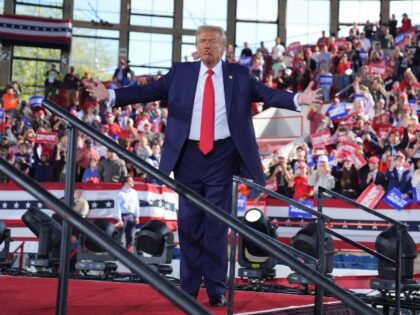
(412, 102)
(395, 200)
(36, 101)
(309, 159)
(245, 61)
(1, 114)
(298, 213)
(399, 39)
(326, 80)
(337, 111)
(416, 194)
(241, 205)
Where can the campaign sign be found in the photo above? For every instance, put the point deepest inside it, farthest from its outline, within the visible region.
(341, 43)
(46, 137)
(348, 146)
(241, 205)
(337, 111)
(298, 213)
(371, 196)
(412, 102)
(416, 194)
(36, 101)
(321, 139)
(383, 133)
(395, 200)
(399, 39)
(377, 68)
(245, 61)
(326, 80)
(294, 48)
(1, 114)
(359, 161)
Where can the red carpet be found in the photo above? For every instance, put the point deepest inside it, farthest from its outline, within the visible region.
(26, 295)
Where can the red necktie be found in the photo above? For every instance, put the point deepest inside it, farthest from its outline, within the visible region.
(207, 116)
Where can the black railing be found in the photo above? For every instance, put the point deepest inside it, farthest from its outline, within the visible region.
(343, 295)
(400, 228)
(270, 246)
(178, 297)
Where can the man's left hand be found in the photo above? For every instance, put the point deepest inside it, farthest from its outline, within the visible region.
(137, 220)
(310, 96)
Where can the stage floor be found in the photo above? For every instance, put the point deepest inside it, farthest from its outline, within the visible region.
(37, 296)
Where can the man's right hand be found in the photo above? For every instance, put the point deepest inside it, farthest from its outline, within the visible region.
(96, 90)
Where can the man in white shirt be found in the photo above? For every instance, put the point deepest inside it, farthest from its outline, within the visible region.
(128, 211)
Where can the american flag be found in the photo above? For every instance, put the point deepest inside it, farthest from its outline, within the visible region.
(35, 31)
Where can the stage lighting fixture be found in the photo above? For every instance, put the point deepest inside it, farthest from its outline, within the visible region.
(386, 244)
(48, 232)
(306, 241)
(92, 256)
(154, 245)
(4, 253)
(257, 265)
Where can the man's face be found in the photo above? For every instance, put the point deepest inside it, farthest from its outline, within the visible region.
(210, 48)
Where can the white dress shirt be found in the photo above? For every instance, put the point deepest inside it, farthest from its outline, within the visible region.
(221, 128)
(127, 202)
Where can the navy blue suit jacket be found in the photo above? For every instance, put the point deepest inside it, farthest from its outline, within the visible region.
(178, 88)
(403, 185)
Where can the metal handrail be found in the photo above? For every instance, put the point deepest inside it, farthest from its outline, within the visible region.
(323, 190)
(178, 297)
(248, 233)
(400, 228)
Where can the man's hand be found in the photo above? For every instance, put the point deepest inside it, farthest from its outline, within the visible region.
(137, 220)
(96, 90)
(310, 96)
(119, 224)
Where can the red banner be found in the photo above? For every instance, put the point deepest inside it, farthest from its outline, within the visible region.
(321, 139)
(294, 48)
(371, 196)
(378, 68)
(359, 161)
(350, 147)
(341, 43)
(46, 137)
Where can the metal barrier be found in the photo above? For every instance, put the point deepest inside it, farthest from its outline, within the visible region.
(270, 246)
(400, 228)
(322, 218)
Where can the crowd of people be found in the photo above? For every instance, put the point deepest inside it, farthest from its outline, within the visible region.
(370, 78)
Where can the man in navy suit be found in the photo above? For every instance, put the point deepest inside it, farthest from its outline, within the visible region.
(399, 177)
(199, 92)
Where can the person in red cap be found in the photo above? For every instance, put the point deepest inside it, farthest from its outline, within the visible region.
(398, 176)
(300, 182)
(371, 174)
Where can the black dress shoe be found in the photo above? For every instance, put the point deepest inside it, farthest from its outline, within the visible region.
(217, 300)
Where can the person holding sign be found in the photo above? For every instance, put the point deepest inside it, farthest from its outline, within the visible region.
(322, 175)
(371, 174)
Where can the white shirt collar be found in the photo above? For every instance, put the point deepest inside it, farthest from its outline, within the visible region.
(217, 69)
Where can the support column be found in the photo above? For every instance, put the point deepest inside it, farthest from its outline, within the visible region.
(123, 28)
(334, 17)
(231, 22)
(68, 6)
(282, 20)
(6, 51)
(385, 12)
(177, 35)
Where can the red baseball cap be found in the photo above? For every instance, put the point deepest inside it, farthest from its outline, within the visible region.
(373, 159)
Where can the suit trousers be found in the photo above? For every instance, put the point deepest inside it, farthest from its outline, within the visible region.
(203, 239)
(129, 223)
